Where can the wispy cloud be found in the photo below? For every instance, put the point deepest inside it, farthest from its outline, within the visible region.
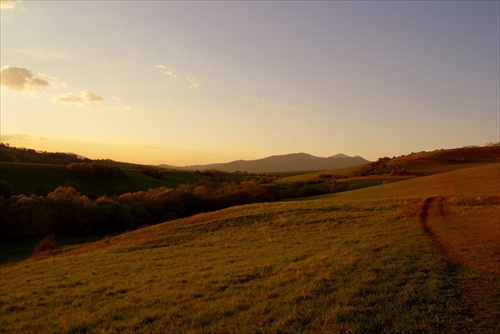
(145, 147)
(269, 103)
(15, 137)
(190, 81)
(41, 54)
(164, 70)
(85, 97)
(22, 79)
(8, 4)
(120, 102)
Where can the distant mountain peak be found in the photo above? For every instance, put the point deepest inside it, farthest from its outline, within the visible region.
(341, 155)
(286, 163)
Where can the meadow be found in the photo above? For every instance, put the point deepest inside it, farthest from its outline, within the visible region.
(389, 258)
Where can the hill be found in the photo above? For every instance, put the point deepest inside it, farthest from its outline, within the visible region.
(38, 178)
(283, 163)
(24, 155)
(428, 163)
(373, 260)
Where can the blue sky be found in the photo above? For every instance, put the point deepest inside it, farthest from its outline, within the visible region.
(200, 82)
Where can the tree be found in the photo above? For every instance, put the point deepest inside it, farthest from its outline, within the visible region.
(111, 216)
(6, 189)
(25, 216)
(81, 170)
(72, 213)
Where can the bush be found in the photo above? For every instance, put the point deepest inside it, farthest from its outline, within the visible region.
(155, 173)
(81, 170)
(69, 183)
(6, 189)
(46, 244)
(108, 172)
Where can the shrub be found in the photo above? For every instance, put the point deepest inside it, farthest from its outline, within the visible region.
(81, 170)
(108, 172)
(155, 173)
(6, 189)
(69, 183)
(46, 244)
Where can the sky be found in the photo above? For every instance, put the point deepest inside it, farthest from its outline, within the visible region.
(183, 83)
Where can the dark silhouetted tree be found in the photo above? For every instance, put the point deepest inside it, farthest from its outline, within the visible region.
(6, 189)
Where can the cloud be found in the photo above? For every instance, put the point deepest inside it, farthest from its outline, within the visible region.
(192, 82)
(8, 4)
(167, 72)
(270, 103)
(117, 99)
(85, 97)
(170, 73)
(41, 54)
(22, 79)
(19, 137)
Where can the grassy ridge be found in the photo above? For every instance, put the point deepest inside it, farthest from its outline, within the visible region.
(480, 180)
(353, 262)
(28, 178)
(308, 176)
(441, 161)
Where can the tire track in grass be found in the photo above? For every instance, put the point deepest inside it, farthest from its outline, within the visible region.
(457, 238)
(424, 214)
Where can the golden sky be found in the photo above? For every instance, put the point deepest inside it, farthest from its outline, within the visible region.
(186, 83)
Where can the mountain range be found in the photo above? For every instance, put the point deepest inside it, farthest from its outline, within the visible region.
(281, 163)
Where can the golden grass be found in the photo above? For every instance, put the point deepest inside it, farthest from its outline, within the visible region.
(470, 181)
(357, 262)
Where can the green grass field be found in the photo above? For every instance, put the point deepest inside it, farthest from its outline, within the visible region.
(362, 261)
(309, 176)
(28, 178)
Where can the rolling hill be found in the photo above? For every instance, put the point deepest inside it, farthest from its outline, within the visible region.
(385, 259)
(444, 160)
(39, 178)
(282, 163)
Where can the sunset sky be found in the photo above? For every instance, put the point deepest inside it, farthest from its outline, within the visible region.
(186, 83)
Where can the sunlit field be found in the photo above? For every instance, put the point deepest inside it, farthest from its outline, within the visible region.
(365, 261)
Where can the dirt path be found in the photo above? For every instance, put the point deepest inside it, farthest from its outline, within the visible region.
(467, 237)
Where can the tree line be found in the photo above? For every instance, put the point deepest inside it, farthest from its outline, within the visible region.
(65, 211)
(92, 170)
(25, 155)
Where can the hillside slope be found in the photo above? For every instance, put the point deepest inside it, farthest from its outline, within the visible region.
(37, 178)
(484, 179)
(437, 161)
(350, 263)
